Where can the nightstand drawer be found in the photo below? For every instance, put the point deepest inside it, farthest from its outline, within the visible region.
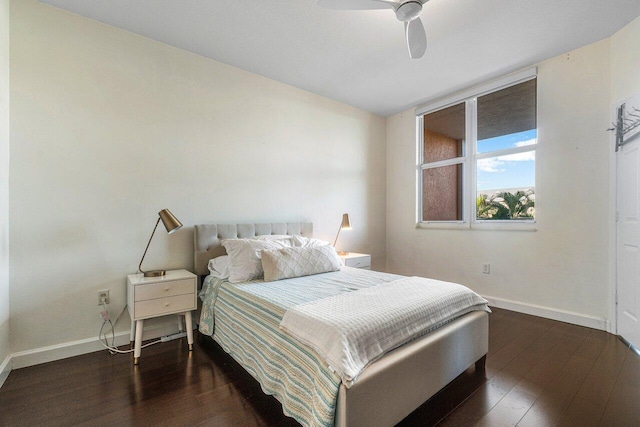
(164, 289)
(161, 306)
(360, 262)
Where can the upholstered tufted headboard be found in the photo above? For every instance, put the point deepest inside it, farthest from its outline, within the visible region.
(207, 238)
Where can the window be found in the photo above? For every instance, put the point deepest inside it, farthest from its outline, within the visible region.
(477, 155)
(443, 158)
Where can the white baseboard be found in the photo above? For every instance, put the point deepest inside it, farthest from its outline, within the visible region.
(22, 359)
(550, 313)
(5, 369)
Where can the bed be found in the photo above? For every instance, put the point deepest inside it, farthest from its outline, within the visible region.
(247, 315)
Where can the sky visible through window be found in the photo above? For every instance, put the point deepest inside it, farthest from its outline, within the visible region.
(512, 170)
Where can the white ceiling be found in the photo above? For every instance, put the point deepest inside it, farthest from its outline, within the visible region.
(360, 57)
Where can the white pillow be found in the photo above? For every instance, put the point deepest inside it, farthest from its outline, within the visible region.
(275, 237)
(219, 267)
(245, 257)
(301, 241)
(296, 262)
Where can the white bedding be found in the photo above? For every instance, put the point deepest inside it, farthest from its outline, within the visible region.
(351, 330)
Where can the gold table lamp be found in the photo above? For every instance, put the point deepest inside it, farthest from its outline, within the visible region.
(172, 224)
(345, 225)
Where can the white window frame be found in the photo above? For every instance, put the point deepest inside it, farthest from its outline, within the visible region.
(470, 157)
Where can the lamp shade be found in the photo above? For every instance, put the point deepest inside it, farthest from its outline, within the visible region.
(346, 224)
(171, 223)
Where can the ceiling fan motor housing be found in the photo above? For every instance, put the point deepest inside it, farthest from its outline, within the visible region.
(409, 10)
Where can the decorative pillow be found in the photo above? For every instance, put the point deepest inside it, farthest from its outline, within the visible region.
(245, 257)
(219, 267)
(296, 262)
(302, 242)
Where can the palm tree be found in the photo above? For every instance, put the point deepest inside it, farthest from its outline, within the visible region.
(505, 205)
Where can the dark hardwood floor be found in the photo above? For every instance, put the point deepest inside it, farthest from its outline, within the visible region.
(539, 373)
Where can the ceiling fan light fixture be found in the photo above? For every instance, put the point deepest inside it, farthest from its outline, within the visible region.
(408, 11)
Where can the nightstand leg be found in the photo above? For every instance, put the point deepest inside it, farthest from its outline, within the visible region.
(180, 325)
(138, 346)
(187, 321)
(132, 335)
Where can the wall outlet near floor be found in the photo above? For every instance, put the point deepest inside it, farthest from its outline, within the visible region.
(104, 294)
(486, 268)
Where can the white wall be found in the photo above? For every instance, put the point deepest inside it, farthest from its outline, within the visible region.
(625, 62)
(560, 270)
(109, 127)
(4, 189)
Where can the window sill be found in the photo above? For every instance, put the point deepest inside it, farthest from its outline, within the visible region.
(504, 225)
(487, 226)
(443, 225)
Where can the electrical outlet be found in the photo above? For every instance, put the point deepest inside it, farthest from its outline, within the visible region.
(486, 268)
(104, 294)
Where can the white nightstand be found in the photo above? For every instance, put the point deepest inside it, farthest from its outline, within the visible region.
(148, 297)
(353, 259)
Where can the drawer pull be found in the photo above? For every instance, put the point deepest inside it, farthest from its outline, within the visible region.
(166, 289)
(166, 304)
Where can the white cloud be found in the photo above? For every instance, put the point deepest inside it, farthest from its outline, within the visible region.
(490, 165)
(496, 164)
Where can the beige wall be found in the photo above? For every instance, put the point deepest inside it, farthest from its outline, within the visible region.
(109, 127)
(625, 62)
(561, 268)
(4, 183)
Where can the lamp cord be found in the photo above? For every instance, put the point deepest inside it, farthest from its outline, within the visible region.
(112, 348)
(147, 248)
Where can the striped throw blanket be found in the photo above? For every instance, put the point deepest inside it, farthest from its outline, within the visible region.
(350, 330)
(244, 319)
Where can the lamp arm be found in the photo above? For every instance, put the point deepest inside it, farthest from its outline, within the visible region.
(147, 248)
(337, 235)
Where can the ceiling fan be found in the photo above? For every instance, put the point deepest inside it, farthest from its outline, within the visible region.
(407, 11)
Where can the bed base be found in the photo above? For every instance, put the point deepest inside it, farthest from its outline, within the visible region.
(391, 388)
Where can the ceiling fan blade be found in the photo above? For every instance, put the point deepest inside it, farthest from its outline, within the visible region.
(358, 4)
(416, 38)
